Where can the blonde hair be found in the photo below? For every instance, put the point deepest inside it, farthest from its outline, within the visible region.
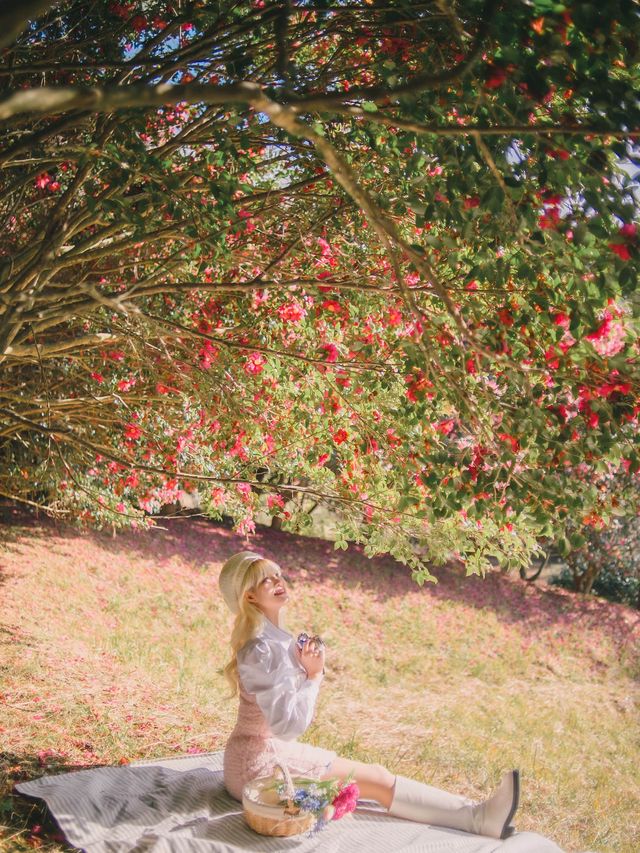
(249, 620)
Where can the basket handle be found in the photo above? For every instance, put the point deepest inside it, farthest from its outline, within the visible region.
(287, 778)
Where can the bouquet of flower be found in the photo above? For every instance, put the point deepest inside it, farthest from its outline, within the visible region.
(326, 799)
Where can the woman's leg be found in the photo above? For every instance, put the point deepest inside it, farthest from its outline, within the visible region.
(374, 780)
(417, 801)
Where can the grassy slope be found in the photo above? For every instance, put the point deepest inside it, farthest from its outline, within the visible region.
(110, 650)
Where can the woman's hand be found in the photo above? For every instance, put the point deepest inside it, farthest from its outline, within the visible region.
(311, 656)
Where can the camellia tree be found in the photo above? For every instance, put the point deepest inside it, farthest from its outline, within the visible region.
(382, 255)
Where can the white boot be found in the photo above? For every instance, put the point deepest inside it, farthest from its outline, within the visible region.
(417, 801)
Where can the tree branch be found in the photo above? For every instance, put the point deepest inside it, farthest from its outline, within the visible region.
(15, 16)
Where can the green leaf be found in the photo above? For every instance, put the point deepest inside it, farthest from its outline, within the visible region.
(369, 107)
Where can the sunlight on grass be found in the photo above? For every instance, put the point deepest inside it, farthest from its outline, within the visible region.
(114, 647)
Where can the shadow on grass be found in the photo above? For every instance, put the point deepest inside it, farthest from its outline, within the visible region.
(204, 545)
(26, 823)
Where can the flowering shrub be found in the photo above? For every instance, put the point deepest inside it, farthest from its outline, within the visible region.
(386, 261)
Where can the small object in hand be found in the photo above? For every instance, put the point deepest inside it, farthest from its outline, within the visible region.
(302, 639)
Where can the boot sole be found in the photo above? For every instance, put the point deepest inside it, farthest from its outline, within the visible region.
(506, 829)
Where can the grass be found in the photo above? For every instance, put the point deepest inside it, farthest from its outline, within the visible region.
(110, 651)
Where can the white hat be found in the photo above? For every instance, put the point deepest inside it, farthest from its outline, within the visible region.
(232, 577)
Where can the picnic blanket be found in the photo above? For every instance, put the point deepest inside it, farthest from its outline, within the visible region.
(180, 805)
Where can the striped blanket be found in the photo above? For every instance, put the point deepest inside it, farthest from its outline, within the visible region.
(179, 805)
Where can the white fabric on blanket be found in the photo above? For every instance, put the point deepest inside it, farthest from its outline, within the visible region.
(179, 805)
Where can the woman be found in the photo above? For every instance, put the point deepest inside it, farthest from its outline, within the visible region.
(278, 683)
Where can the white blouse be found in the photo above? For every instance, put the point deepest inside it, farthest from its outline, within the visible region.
(268, 667)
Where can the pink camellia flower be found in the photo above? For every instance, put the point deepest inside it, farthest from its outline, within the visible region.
(446, 426)
(603, 329)
(291, 312)
(255, 363)
(126, 384)
(331, 351)
(394, 317)
(322, 459)
(42, 180)
(346, 801)
(567, 342)
(561, 319)
(274, 501)
(325, 248)
(217, 496)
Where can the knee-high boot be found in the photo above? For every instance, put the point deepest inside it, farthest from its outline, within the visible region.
(417, 801)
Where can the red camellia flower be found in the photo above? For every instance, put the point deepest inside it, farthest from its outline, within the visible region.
(621, 250)
(609, 388)
(121, 10)
(558, 154)
(549, 219)
(471, 201)
(42, 180)
(504, 315)
(495, 76)
(561, 319)
(510, 439)
(551, 358)
(417, 384)
(97, 376)
(592, 419)
(340, 436)
(132, 431)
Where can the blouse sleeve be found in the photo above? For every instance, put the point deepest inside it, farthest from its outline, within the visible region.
(284, 695)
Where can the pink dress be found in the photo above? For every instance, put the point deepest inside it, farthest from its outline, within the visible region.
(276, 706)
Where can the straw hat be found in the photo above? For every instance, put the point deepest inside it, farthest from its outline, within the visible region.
(232, 577)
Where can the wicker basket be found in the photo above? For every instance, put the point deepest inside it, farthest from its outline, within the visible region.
(266, 815)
